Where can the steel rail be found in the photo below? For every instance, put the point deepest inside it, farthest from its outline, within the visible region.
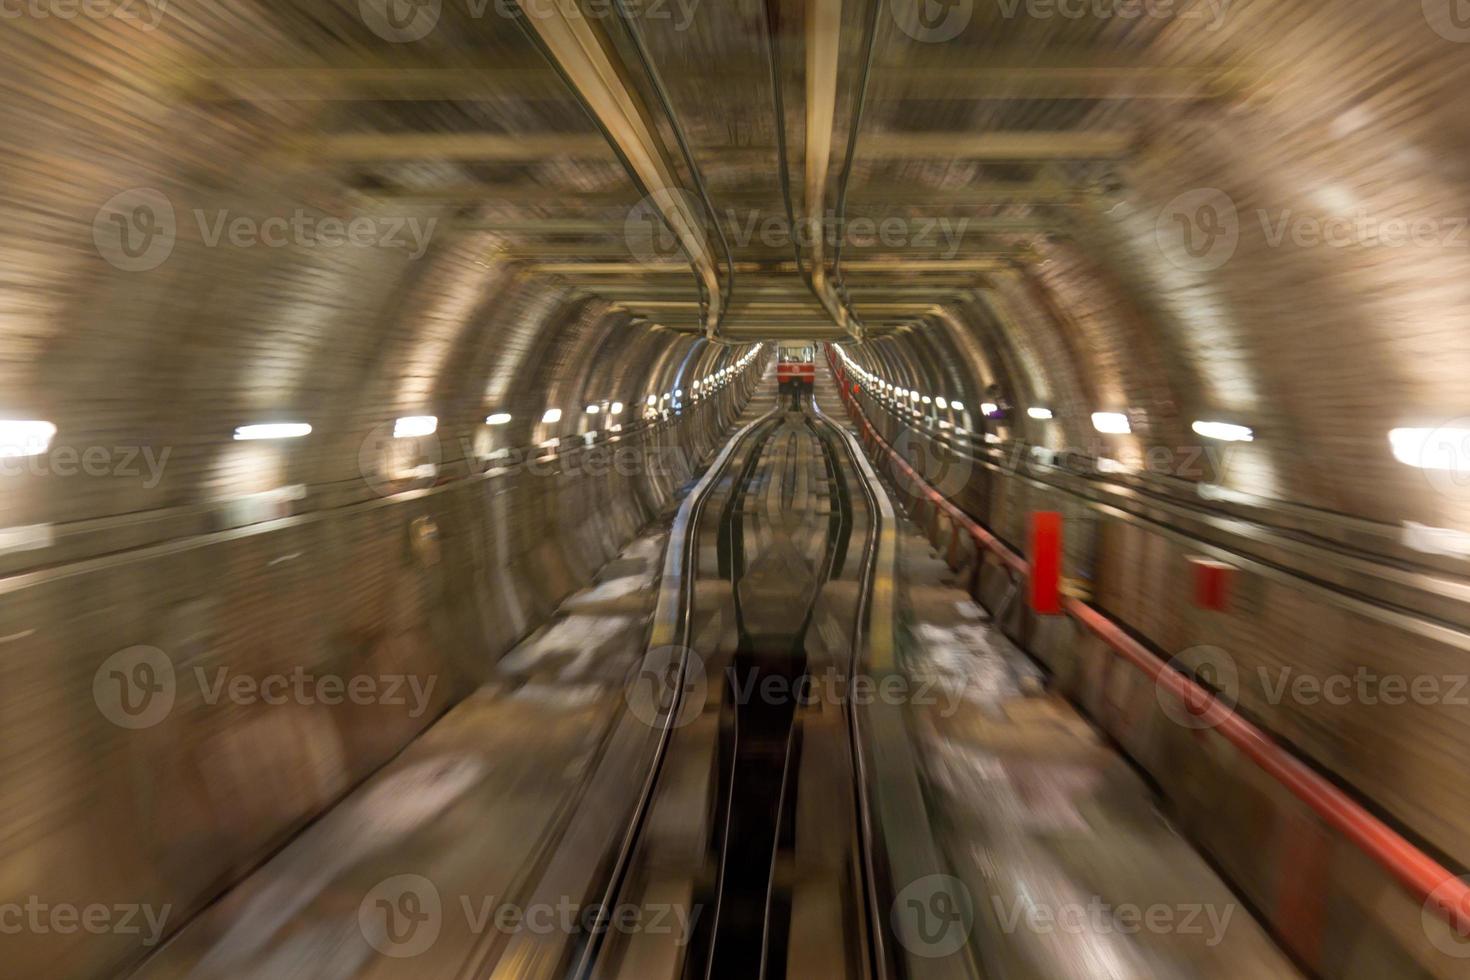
(1420, 875)
(875, 651)
(671, 627)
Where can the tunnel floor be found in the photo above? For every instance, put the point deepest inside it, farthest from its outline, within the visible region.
(750, 851)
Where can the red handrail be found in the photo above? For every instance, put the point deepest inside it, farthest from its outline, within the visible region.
(1424, 878)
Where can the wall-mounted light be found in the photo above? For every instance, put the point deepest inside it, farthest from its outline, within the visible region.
(1111, 423)
(413, 426)
(1037, 412)
(272, 430)
(25, 438)
(552, 415)
(1432, 449)
(1224, 431)
(499, 418)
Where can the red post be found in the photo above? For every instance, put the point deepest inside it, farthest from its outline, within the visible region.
(1212, 580)
(1046, 562)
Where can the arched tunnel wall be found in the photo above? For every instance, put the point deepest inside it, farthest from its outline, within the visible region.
(147, 525)
(416, 584)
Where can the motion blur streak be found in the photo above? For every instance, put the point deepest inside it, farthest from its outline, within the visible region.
(897, 489)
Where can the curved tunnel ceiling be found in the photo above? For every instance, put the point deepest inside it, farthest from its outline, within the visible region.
(1250, 212)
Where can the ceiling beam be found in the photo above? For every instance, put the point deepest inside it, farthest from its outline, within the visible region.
(510, 147)
(1002, 145)
(1032, 75)
(859, 195)
(903, 266)
(938, 236)
(1016, 74)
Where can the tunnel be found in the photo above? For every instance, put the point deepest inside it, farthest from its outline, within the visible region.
(856, 489)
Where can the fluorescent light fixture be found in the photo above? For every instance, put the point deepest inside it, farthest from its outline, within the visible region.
(942, 402)
(927, 400)
(1112, 423)
(1224, 431)
(552, 415)
(413, 426)
(1432, 449)
(957, 406)
(272, 430)
(913, 396)
(1036, 412)
(499, 418)
(593, 409)
(989, 408)
(25, 438)
(616, 409)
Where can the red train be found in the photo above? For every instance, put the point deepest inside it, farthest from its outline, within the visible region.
(796, 372)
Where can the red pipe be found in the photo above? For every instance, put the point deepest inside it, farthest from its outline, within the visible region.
(1424, 878)
(1415, 870)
